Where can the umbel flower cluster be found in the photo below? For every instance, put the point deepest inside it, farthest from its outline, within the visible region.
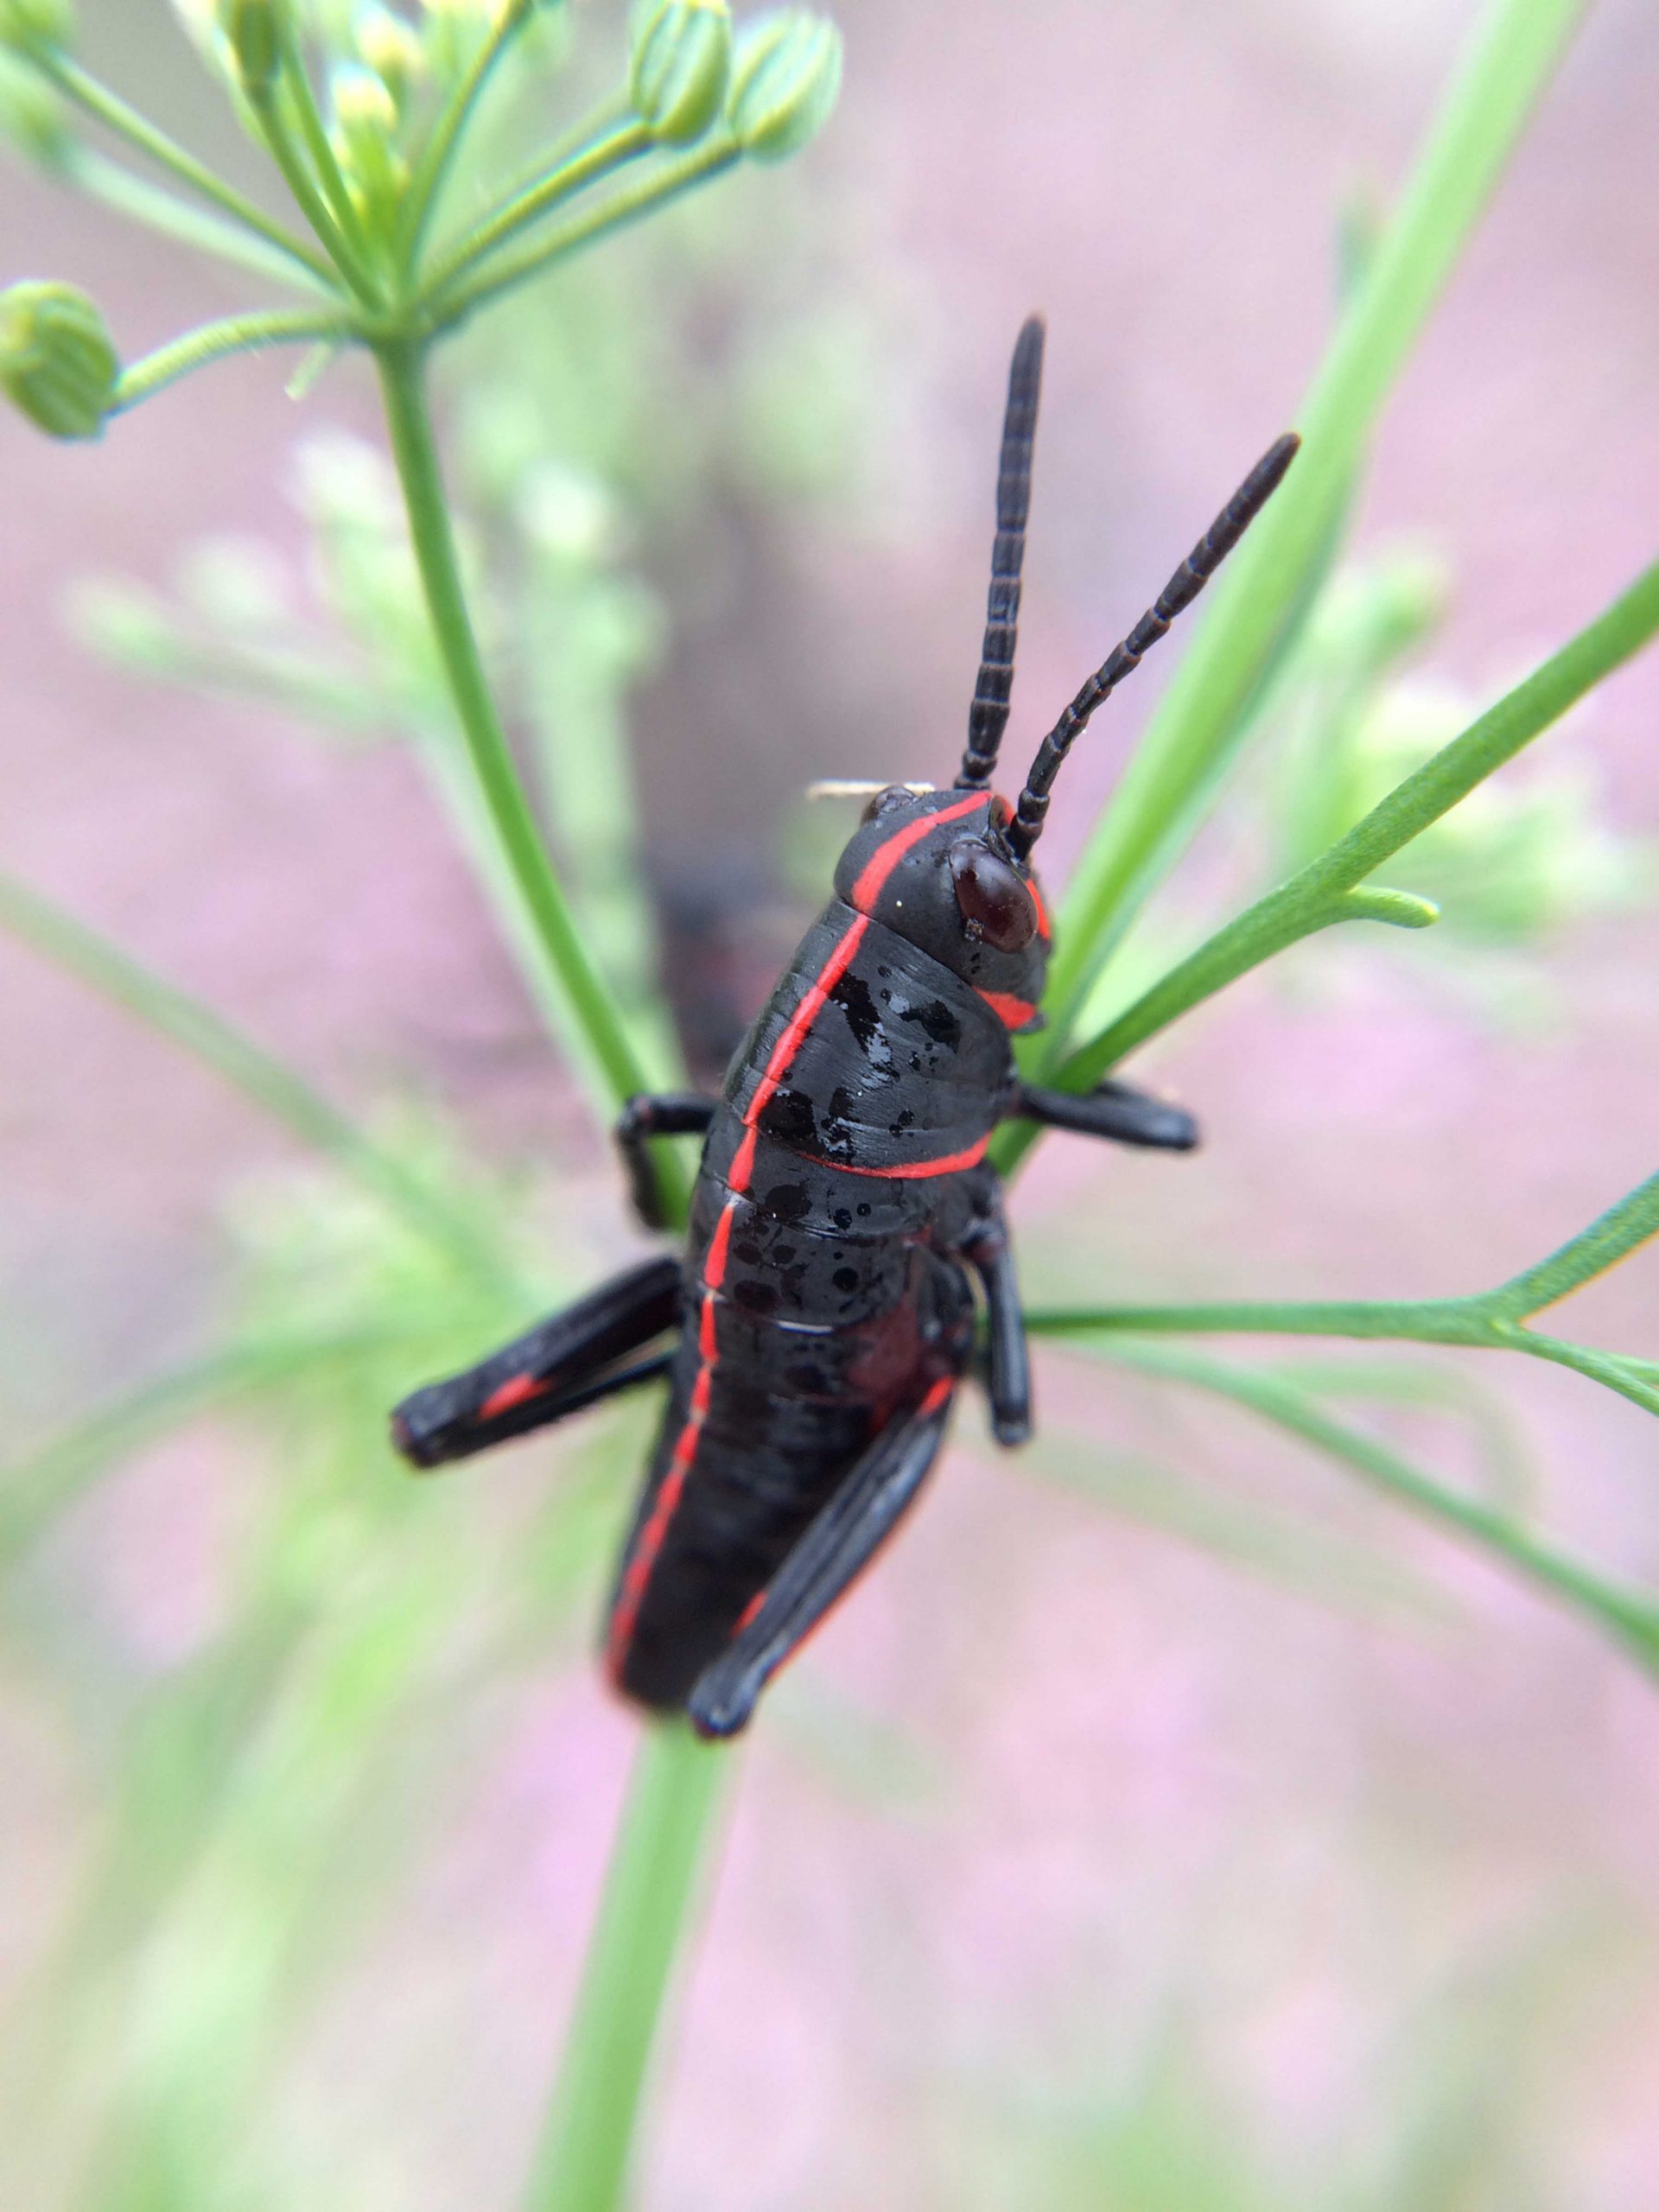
(363, 109)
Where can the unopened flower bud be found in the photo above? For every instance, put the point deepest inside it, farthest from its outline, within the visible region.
(57, 362)
(388, 45)
(36, 26)
(32, 116)
(682, 58)
(253, 33)
(365, 133)
(362, 105)
(784, 83)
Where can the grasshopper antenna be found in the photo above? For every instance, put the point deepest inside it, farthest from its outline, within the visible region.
(1183, 588)
(988, 717)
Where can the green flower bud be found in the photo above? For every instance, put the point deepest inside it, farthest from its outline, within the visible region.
(388, 45)
(56, 360)
(365, 134)
(252, 31)
(362, 105)
(36, 26)
(784, 84)
(682, 56)
(32, 116)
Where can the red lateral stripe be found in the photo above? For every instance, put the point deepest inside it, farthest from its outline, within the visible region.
(714, 1266)
(1044, 928)
(813, 1001)
(742, 1164)
(911, 1171)
(873, 874)
(1012, 1013)
(515, 1393)
(888, 853)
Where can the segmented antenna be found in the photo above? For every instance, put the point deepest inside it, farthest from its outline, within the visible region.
(988, 715)
(1183, 588)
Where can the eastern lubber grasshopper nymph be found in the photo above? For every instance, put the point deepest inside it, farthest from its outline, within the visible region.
(823, 1313)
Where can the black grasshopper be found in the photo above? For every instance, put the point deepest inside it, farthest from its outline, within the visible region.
(825, 1312)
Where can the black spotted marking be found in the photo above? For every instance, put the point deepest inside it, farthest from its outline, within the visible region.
(935, 1021)
(791, 1118)
(852, 994)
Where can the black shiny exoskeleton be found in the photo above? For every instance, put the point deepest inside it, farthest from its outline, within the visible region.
(844, 1214)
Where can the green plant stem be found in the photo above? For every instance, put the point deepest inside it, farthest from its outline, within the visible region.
(597, 123)
(267, 108)
(296, 78)
(172, 217)
(605, 1054)
(127, 122)
(427, 183)
(1491, 1320)
(237, 333)
(1159, 800)
(1630, 1615)
(69, 943)
(1327, 890)
(582, 2165)
(623, 207)
(625, 143)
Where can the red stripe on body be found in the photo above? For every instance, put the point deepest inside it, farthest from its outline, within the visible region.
(875, 874)
(1012, 1013)
(912, 1170)
(888, 853)
(1045, 929)
(515, 1393)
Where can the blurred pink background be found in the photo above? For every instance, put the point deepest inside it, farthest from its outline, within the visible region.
(1347, 1869)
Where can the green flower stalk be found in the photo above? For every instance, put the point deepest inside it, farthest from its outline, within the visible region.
(57, 360)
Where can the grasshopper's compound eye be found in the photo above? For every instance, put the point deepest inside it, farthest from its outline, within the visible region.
(994, 903)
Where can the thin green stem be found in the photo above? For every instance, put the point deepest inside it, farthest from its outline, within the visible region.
(597, 123)
(237, 333)
(1630, 1615)
(427, 183)
(127, 122)
(1328, 890)
(604, 1051)
(69, 943)
(1431, 1321)
(582, 2162)
(1492, 1320)
(267, 108)
(1635, 1379)
(1612, 1237)
(296, 78)
(1466, 1322)
(655, 191)
(1159, 800)
(164, 211)
(623, 144)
